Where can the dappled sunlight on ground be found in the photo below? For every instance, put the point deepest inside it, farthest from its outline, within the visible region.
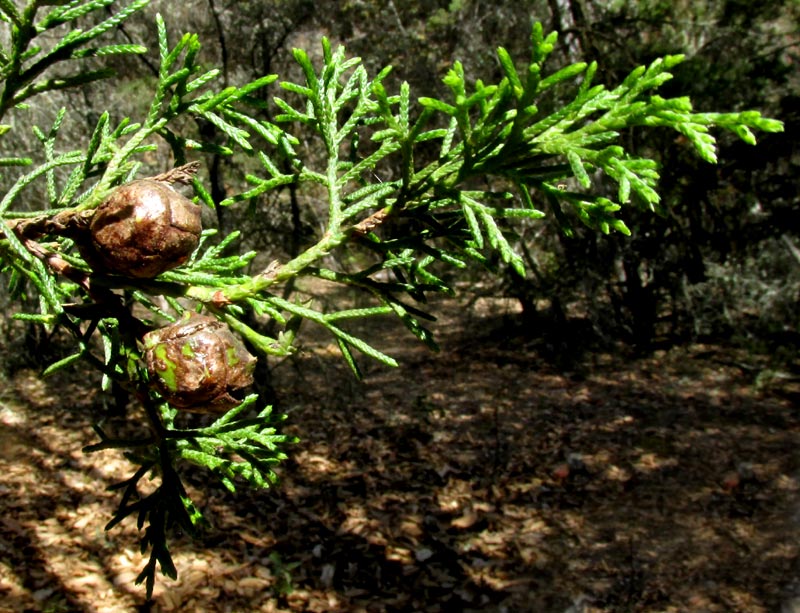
(478, 479)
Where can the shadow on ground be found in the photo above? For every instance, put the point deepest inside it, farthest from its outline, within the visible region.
(478, 479)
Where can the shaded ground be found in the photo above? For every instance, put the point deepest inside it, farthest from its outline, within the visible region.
(477, 479)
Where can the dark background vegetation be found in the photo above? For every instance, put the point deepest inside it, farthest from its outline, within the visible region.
(715, 275)
(723, 258)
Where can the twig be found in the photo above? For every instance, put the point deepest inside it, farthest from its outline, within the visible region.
(181, 174)
(792, 247)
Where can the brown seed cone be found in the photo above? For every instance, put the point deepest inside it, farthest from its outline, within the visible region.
(142, 229)
(198, 364)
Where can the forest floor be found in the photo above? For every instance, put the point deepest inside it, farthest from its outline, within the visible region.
(480, 478)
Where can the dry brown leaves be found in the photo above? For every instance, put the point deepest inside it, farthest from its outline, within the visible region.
(479, 479)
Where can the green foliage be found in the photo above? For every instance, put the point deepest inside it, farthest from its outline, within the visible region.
(473, 169)
(650, 289)
(22, 66)
(231, 447)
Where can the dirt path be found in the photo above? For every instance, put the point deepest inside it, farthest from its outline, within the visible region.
(478, 479)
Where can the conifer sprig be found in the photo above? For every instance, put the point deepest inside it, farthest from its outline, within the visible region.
(556, 161)
(22, 65)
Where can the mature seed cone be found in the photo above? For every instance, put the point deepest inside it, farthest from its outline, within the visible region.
(198, 364)
(143, 229)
